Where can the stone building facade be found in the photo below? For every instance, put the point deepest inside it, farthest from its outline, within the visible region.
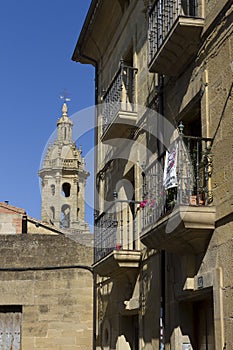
(46, 285)
(163, 236)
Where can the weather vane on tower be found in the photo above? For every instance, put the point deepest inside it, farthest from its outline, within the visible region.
(64, 96)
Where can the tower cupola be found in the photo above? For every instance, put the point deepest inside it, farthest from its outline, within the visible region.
(64, 126)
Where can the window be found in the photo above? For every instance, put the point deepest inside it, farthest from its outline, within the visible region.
(52, 213)
(189, 7)
(53, 190)
(128, 76)
(66, 189)
(65, 216)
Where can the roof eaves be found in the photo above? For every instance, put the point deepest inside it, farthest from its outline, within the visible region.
(77, 54)
(12, 208)
(43, 224)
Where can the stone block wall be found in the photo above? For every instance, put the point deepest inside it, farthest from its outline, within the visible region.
(39, 273)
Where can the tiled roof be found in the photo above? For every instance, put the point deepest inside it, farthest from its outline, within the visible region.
(12, 208)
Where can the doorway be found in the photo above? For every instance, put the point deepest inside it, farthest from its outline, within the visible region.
(204, 324)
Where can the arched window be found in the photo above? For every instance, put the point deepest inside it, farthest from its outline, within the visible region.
(53, 190)
(65, 216)
(52, 213)
(66, 189)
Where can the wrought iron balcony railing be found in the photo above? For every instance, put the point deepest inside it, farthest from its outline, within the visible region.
(115, 229)
(162, 16)
(189, 183)
(120, 95)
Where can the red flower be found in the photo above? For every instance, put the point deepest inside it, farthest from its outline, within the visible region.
(143, 204)
(118, 246)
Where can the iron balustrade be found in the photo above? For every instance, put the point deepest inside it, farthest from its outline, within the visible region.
(193, 179)
(120, 95)
(162, 16)
(115, 229)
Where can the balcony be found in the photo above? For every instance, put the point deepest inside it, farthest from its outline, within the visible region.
(175, 28)
(177, 212)
(118, 108)
(116, 238)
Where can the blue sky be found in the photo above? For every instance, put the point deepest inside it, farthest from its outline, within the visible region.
(37, 41)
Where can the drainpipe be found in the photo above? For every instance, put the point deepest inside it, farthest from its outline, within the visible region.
(80, 54)
(160, 126)
(207, 112)
(24, 223)
(162, 298)
(207, 120)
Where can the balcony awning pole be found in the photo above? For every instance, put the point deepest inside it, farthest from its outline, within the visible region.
(197, 172)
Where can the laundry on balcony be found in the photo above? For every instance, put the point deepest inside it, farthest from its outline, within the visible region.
(170, 175)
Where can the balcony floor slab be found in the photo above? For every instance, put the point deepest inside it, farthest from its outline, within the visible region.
(187, 229)
(178, 47)
(121, 126)
(117, 260)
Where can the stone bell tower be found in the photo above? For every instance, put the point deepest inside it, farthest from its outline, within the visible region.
(63, 178)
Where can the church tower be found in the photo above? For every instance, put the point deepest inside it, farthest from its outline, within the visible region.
(63, 178)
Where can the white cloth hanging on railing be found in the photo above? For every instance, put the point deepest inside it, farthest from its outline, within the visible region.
(170, 174)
